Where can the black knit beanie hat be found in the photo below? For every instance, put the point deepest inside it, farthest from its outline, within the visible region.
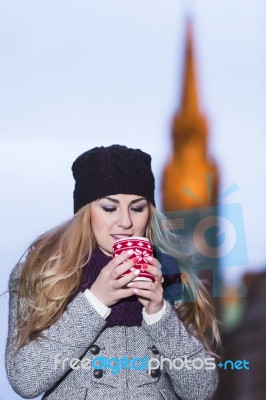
(104, 171)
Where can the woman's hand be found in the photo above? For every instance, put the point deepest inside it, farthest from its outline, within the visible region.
(107, 287)
(150, 294)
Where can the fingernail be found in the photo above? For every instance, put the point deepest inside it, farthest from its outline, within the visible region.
(150, 258)
(130, 284)
(144, 266)
(136, 272)
(130, 252)
(135, 290)
(134, 259)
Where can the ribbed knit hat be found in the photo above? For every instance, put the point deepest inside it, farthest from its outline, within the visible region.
(104, 171)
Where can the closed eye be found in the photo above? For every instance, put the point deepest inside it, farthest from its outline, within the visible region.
(137, 209)
(109, 209)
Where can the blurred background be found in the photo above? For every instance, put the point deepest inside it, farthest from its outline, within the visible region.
(183, 81)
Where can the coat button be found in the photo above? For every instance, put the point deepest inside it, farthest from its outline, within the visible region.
(98, 373)
(95, 349)
(154, 350)
(155, 373)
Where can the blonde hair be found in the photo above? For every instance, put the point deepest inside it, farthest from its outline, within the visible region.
(195, 309)
(52, 271)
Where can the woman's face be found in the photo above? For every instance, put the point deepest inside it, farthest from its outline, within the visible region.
(118, 216)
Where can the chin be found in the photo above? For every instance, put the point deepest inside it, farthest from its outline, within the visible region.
(106, 251)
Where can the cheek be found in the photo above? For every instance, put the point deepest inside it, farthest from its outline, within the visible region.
(142, 222)
(96, 221)
(100, 223)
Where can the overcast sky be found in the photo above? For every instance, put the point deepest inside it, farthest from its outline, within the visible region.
(75, 75)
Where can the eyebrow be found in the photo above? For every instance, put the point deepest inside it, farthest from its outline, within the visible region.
(117, 201)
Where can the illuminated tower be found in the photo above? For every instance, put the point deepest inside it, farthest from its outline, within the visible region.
(190, 178)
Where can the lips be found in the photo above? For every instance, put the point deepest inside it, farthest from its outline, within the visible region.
(120, 236)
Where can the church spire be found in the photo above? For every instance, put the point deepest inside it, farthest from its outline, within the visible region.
(189, 102)
(190, 177)
(189, 124)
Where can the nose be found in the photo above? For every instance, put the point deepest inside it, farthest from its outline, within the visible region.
(124, 219)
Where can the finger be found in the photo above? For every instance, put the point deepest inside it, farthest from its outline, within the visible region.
(122, 268)
(152, 270)
(153, 261)
(124, 280)
(154, 287)
(147, 294)
(159, 279)
(142, 285)
(117, 260)
(123, 293)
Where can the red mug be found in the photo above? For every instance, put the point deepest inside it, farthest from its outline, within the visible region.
(142, 248)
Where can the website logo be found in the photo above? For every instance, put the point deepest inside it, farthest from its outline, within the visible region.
(117, 364)
(215, 236)
(231, 365)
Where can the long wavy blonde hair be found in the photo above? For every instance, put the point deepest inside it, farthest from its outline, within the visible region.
(195, 309)
(53, 266)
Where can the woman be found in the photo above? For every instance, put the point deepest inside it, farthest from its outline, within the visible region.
(77, 329)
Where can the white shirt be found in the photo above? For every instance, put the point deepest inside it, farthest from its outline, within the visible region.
(104, 311)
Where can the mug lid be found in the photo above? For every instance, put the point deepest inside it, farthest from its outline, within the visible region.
(132, 238)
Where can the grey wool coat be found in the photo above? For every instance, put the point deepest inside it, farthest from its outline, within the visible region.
(81, 333)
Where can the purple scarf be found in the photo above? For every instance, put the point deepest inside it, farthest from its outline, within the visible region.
(128, 311)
